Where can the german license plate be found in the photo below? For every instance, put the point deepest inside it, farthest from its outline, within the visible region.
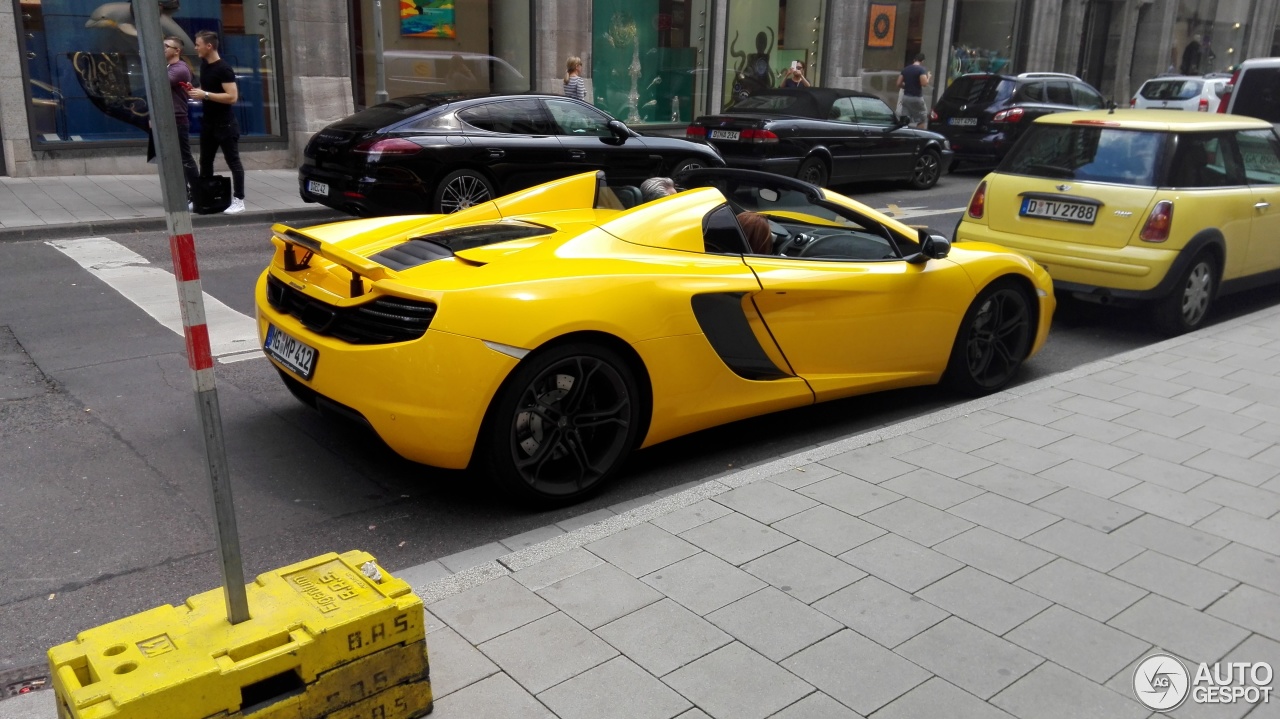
(724, 134)
(963, 121)
(1059, 210)
(291, 352)
(317, 188)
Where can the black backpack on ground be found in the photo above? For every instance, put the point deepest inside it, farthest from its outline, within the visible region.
(211, 195)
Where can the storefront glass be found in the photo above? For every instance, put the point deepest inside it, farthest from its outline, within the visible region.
(765, 37)
(470, 46)
(648, 59)
(84, 72)
(1209, 36)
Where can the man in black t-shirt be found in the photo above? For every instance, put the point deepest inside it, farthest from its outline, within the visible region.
(218, 129)
(914, 78)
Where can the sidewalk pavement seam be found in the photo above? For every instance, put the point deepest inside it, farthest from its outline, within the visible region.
(509, 563)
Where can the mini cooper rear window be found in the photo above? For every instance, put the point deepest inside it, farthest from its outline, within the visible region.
(1087, 153)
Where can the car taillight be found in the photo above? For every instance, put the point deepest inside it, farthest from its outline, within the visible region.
(933, 115)
(1133, 102)
(388, 146)
(978, 204)
(1204, 105)
(694, 132)
(1013, 114)
(1158, 223)
(757, 136)
(1225, 98)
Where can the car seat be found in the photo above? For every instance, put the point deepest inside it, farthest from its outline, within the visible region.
(628, 195)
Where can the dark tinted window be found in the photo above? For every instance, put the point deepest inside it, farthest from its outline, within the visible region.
(516, 117)
(1032, 92)
(978, 89)
(779, 104)
(389, 113)
(1059, 92)
(1076, 152)
(1257, 94)
(1205, 160)
(1260, 151)
(572, 118)
(1171, 89)
(722, 233)
(1086, 98)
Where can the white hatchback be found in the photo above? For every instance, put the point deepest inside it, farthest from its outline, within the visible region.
(1180, 92)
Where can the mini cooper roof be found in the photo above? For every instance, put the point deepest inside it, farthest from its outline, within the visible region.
(1156, 120)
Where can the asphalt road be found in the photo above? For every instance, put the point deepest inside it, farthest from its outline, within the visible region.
(102, 487)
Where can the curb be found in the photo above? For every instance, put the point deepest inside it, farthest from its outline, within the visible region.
(508, 564)
(151, 224)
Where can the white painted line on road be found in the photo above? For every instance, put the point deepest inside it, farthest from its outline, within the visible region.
(242, 356)
(154, 290)
(909, 212)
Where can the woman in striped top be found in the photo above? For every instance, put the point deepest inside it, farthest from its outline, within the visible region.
(573, 85)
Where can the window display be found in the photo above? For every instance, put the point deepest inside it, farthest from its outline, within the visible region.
(84, 71)
(649, 59)
(765, 38)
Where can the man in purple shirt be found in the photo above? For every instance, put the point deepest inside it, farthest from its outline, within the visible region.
(179, 81)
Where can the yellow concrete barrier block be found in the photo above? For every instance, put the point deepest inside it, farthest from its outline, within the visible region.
(333, 636)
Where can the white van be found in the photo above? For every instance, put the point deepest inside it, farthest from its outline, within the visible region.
(1255, 90)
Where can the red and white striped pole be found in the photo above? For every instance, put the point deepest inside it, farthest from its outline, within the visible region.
(182, 246)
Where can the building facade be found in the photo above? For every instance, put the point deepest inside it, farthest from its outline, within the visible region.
(71, 99)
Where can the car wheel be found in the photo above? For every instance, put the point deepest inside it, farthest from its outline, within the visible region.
(993, 340)
(927, 170)
(688, 163)
(1186, 307)
(813, 171)
(562, 424)
(462, 189)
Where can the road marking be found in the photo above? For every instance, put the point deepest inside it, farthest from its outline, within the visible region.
(233, 336)
(902, 213)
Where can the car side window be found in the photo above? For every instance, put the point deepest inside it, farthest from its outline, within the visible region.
(1257, 94)
(1059, 92)
(1206, 160)
(721, 233)
(842, 110)
(1260, 154)
(1032, 92)
(513, 117)
(1085, 97)
(873, 111)
(580, 120)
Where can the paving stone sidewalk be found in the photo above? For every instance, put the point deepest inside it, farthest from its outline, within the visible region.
(1015, 556)
(43, 207)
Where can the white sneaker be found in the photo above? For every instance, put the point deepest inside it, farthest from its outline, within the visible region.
(191, 207)
(237, 205)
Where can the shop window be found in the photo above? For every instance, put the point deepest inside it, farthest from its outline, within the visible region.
(474, 46)
(764, 38)
(649, 59)
(84, 73)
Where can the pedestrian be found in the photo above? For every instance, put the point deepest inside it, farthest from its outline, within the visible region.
(795, 76)
(574, 85)
(656, 188)
(912, 81)
(218, 128)
(179, 81)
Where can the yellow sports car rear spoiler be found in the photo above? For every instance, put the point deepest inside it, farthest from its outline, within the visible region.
(298, 249)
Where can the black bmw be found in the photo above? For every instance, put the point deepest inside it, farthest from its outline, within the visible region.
(824, 136)
(447, 152)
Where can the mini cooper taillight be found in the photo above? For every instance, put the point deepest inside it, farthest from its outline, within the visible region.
(1158, 223)
(1013, 114)
(978, 203)
(694, 132)
(387, 146)
(757, 136)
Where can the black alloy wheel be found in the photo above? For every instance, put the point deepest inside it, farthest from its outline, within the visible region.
(1187, 306)
(563, 423)
(462, 189)
(927, 170)
(994, 339)
(813, 171)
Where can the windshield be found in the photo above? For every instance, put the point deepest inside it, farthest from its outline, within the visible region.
(1171, 89)
(1097, 154)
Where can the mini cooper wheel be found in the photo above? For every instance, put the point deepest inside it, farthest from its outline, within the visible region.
(562, 424)
(813, 171)
(462, 189)
(1186, 307)
(994, 339)
(927, 170)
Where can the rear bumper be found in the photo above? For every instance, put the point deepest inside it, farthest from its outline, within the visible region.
(363, 196)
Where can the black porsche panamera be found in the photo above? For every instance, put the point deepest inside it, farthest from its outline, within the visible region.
(447, 152)
(824, 136)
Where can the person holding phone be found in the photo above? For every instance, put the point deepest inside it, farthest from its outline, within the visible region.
(795, 75)
(179, 87)
(913, 79)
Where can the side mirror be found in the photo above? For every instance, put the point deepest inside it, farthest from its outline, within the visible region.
(932, 247)
(619, 130)
(901, 121)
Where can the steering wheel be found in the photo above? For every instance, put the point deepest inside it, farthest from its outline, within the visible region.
(785, 242)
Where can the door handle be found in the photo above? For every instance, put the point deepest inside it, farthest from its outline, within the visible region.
(495, 153)
(577, 155)
(1262, 205)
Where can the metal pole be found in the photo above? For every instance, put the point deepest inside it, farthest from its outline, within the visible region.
(379, 62)
(164, 127)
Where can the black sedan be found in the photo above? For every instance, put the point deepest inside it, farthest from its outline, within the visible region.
(447, 152)
(824, 136)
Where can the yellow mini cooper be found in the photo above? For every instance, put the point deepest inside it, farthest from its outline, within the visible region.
(1139, 206)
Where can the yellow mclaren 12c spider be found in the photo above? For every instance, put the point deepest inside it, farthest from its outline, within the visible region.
(542, 336)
